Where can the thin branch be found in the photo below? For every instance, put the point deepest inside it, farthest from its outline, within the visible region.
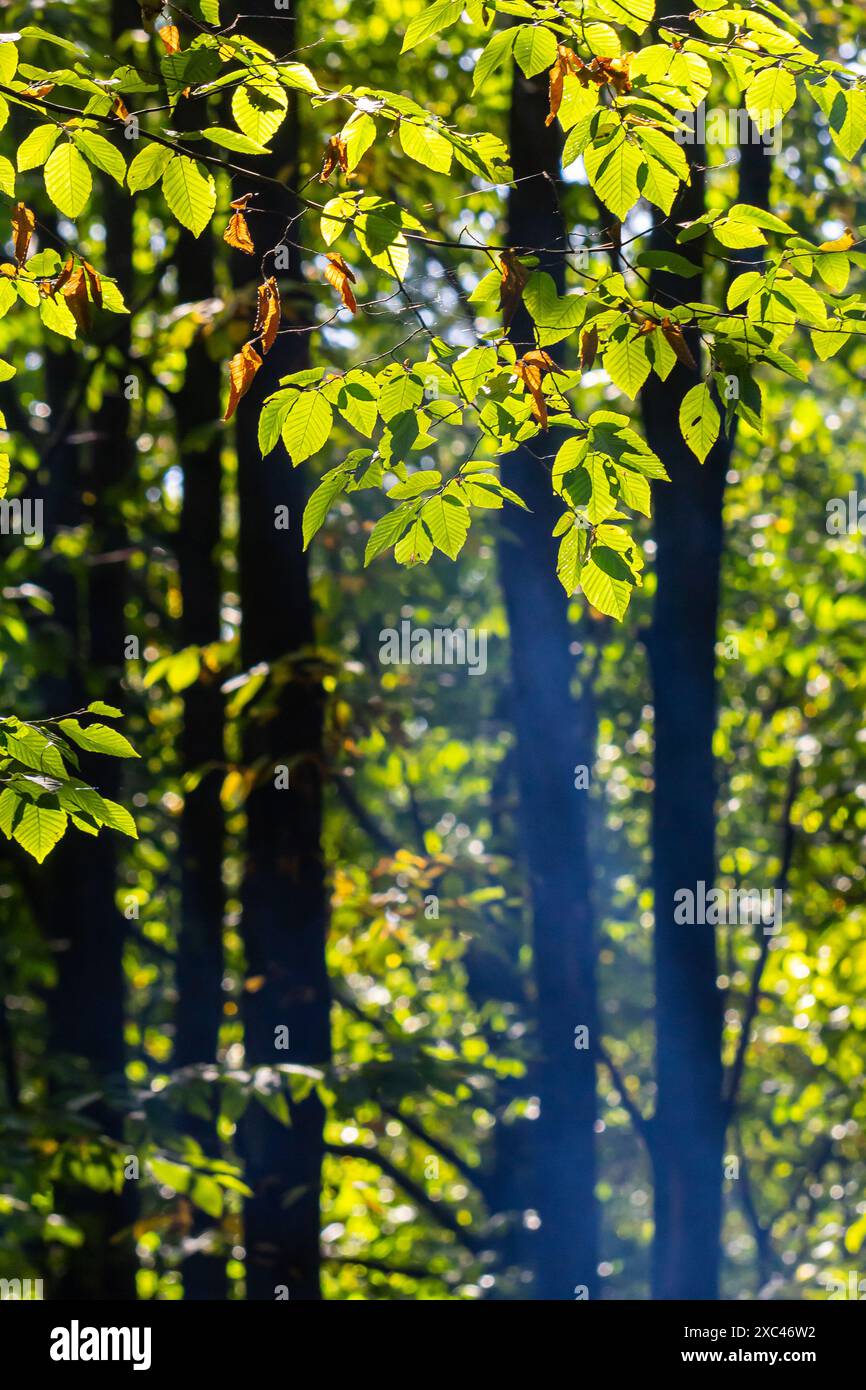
(642, 1123)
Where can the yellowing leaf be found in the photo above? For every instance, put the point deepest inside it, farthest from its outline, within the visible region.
(23, 227)
(170, 35)
(338, 274)
(242, 371)
(267, 323)
(237, 234)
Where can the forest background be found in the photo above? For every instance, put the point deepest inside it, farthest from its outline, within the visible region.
(371, 1001)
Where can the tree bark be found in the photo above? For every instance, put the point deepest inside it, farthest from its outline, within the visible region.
(553, 737)
(77, 886)
(689, 1123)
(283, 899)
(200, 947)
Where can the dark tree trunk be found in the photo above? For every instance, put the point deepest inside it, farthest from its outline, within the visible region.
(553, 737)
(200, 948)
(78, 885)
(689, 1124)
(200, 944)
(283, 901)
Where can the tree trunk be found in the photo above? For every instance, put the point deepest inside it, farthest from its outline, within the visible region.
(553, 737)
(78, 884)
(689, 1124)
(283, 900)
(200, 947)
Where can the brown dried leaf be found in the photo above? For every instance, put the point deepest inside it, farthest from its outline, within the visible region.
(267, 322)
(242, 371)
(63, 276)
(674, 335)
(556, 83)
(338, 274)
(119, 109)
(23, 227)
(588, 348)
(336, 157)
(94, 283)
(530, 369)
(75, 294)
(514, 278)
(237, 234)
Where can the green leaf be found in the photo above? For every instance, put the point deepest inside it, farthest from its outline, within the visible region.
(298, 75)
(608, 593)
(554, 316)
(56, 315)
(8, 59)
(7, 175)
(37, 146)
(416, 483)
(534, 49)
(98, 738)
(495, 54)
(307, 426)
(357, 401)
(612, 169)
(401, 391)
(68, 181)
(272, 418)
(848, 121)
(207, 1194)
(432, 20)
(32, 749)
(743, 288)
(233, 140)
(167, 1174)
(388, 529)
(260, 107)
(568, 559)
(670, 261)
(426, 146)
(472, 369)
(627, 364)
(359, 134)
(102, 153)
(190, 193)
(148, 166)
(658, 184)
(380, 236)
(38, 829)
(447, 520)
(319, 505)
(699, 420)
(334, 218)
(107, 711)
(770, 96)
(759, 217)
(416, 547)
